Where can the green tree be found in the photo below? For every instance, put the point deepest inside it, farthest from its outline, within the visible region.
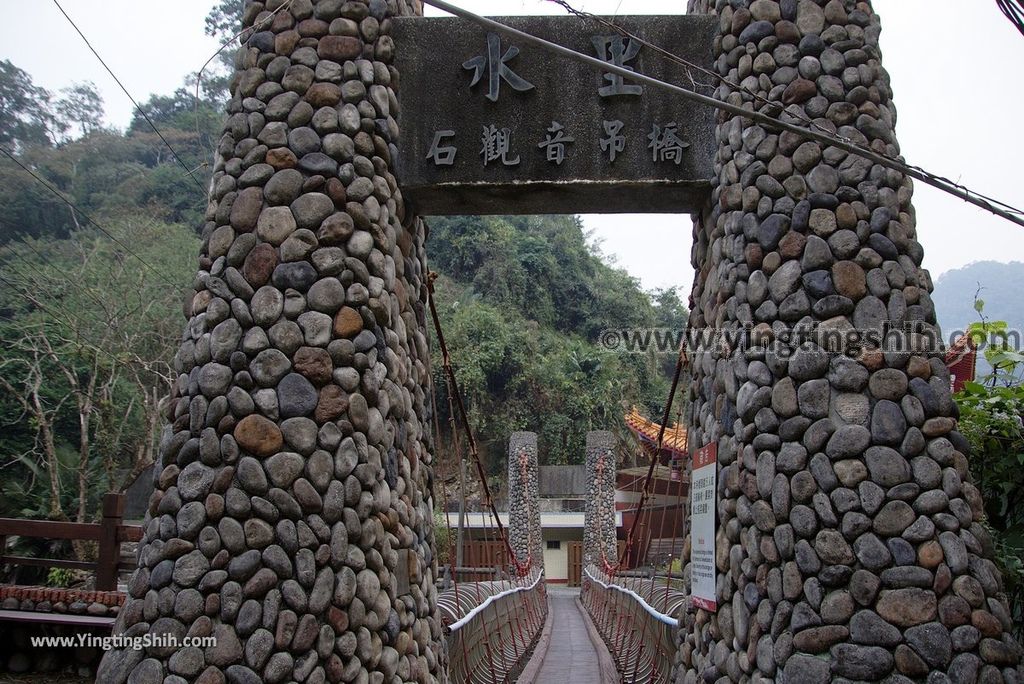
(1000, 346)
(223, 22)
(522, 302)
(88, 336)
(542, 265)
(80, 107)
(29, 209)
(101, 171)
(189, 126)
(669, 309)
(225, 19)
(992, 421)
(26, 117)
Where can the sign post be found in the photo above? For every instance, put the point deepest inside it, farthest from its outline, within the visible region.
(495, 127)
(702, 526)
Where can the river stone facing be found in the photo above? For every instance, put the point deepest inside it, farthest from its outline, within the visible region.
(292, 517)
(599, 541)
(524, 501)
(850, 543)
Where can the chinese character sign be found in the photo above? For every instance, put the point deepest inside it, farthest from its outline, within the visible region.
(497, 148)
(554, 144)
(496, 145)
(442, 155)
(666, 145)
(494, 64)
(617, 51)
(612, 143)
(703, 487)
(491, 123)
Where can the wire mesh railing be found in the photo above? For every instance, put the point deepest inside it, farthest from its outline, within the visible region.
(637, 618)
(492, 627)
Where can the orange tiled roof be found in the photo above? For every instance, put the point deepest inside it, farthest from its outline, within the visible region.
(647, 431)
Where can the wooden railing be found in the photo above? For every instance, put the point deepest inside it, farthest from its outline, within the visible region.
(487, 555)
(109, 533)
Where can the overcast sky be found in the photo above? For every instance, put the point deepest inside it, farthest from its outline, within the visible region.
(953, 66)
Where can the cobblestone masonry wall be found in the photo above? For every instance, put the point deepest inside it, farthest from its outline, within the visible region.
(850, 544)
(599, 520)
(523, 499)
(292, 517)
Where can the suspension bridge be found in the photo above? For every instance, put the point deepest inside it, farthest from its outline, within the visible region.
(628, 608)
(293, 520)
(622, 622)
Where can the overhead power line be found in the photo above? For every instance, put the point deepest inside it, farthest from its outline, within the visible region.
(996, 207)
(35, 301)
(1014, 11)
(59, 310)
(26, 241)
(800, 115)
(60, 313)
(42, 181)
(142, 111)
(64, 280)
(57, 278)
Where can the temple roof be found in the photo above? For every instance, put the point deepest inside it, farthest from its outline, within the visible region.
(647, 432)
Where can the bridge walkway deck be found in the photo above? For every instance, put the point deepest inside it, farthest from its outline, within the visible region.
(571, 656)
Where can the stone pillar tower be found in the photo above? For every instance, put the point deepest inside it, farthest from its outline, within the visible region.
(523, 499)
(849, 537)
(599, 523)
(292, 517)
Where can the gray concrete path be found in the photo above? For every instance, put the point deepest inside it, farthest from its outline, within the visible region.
(571, 657)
